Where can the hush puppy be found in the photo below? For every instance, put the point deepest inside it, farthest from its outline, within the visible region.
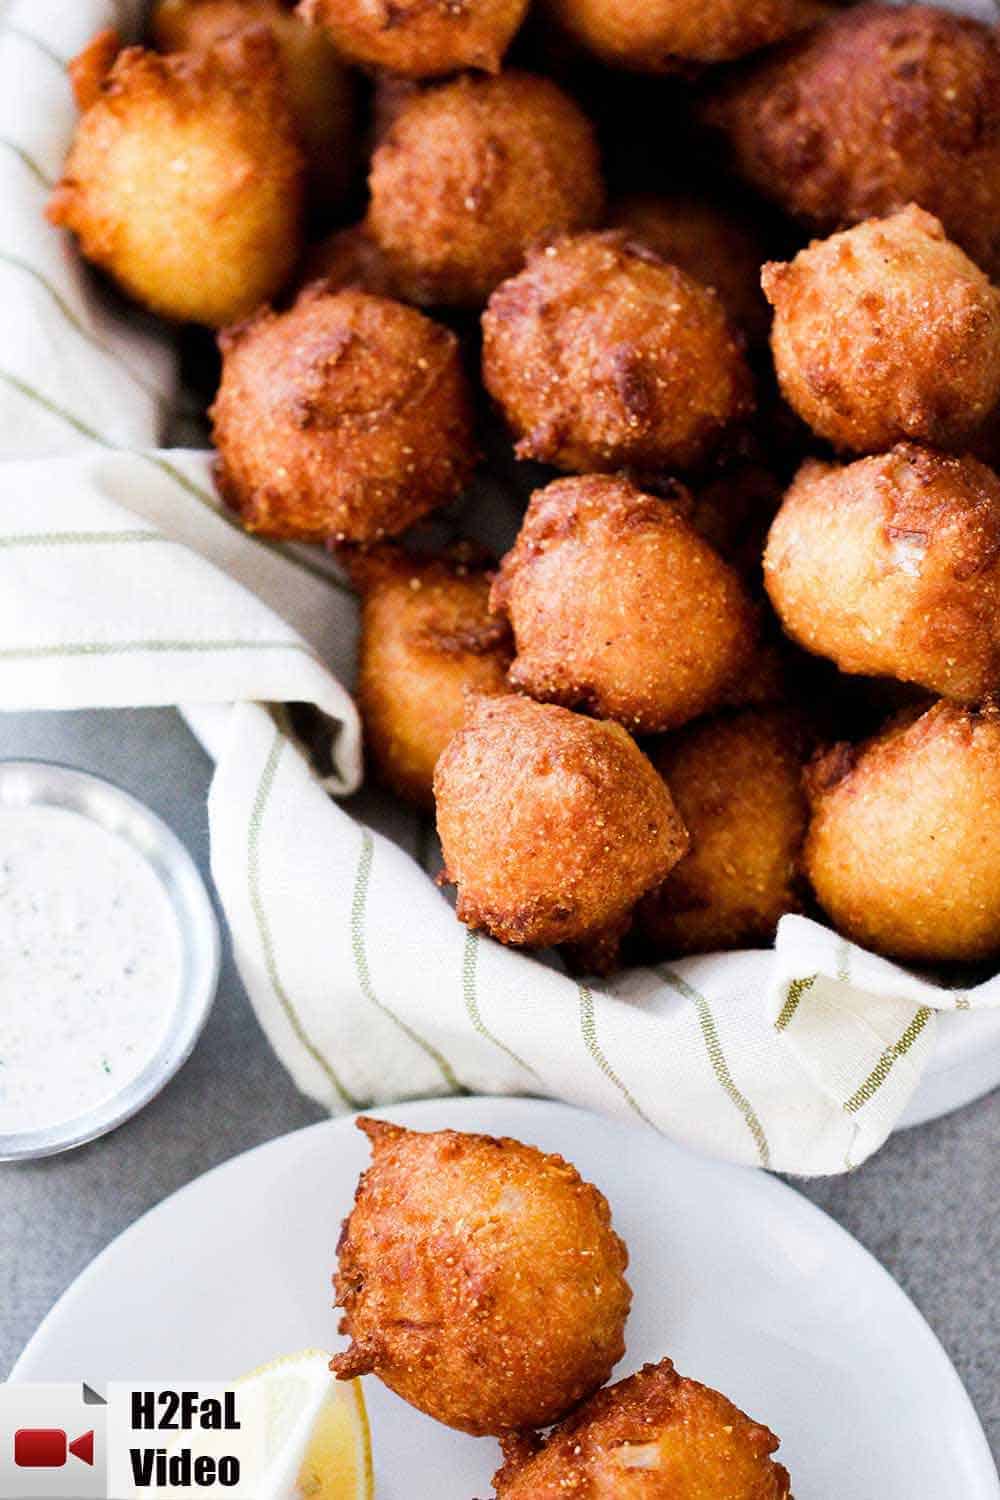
(882, 106)
(420, 38)
(653, 1436)
(185, 179)
(480, 1279)
(428, 638)
(320, 87)
(601, 355)
(552, 825)
(886, 331)
(737, 783)
(471, 174)
(891, 567)
(715, 244)
(618, 606)
(903, 846)
(346, 418)
(660, 36)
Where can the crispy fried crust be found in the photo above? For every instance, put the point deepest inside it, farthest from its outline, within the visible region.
(660, 36)
(891, 567)
(428, 639)
(737, 783)
(471, 174)
(618, 605)
(884, 332)
(89, 69)
(904, 844)
(716, 244)
(346, 418)
(654, 1436)
(185, 179)
(480, 1279)
(880, 107)
(552, 825)
(601, 355)
(320, 88)
(420, 38)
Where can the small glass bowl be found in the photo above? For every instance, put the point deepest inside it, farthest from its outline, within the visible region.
(26, 783)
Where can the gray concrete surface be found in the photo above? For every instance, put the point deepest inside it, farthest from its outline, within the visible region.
(926, 1206)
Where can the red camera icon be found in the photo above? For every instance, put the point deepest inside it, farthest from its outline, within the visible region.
(49, 1448)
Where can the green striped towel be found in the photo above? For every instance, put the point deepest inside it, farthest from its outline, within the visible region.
(123, 582)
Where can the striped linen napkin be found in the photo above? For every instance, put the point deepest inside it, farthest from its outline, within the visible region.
(124, 582)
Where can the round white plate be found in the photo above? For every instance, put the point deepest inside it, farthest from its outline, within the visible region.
(740, 1280)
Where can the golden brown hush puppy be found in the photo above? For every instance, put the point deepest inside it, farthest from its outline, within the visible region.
(185, 179)
(653, 1436)
(886, 331)
(891, 567)
(659, 36)
(881, 106)
(428, 638)
(711, 242)
(417, 39)
(346, 418)
(903, 847)
(551, 825)
(471, 174)
(618, 605)
(320, 87)
(737, 783)
(601, 355)
(480, 1279)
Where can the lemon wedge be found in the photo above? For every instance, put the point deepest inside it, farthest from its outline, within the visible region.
(320, 1439)
(303, 1434)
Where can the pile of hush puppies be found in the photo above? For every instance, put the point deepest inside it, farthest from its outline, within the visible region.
(481, 1280)
(741, 657)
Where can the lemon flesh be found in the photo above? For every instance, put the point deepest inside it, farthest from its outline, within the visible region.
(303, 1434)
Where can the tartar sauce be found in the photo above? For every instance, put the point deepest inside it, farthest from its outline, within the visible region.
(90, 965)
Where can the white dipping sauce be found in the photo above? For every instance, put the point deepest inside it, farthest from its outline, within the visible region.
(90, 965)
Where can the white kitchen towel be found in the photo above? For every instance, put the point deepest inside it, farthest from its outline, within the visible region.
(123, 581)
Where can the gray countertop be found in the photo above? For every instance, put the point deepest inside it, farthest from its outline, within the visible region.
(926, 1206)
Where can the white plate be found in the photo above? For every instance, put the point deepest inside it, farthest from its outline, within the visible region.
(740, 1280)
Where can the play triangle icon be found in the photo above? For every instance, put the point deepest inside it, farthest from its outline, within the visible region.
(83, 1448)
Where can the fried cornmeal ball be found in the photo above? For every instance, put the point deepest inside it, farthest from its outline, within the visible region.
(618, 606)
(891, 567)
(601, 356)
(737, 783)
(420, 38)
(653, 1436)
(480, 1279)
(320, 87)
(715, 244)
(658, 36)
(471, 174)
(903, 847)
(185, 179)
(428, 638)
(346, 418)
(552, 825)
(886, 331)
(882, 106)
